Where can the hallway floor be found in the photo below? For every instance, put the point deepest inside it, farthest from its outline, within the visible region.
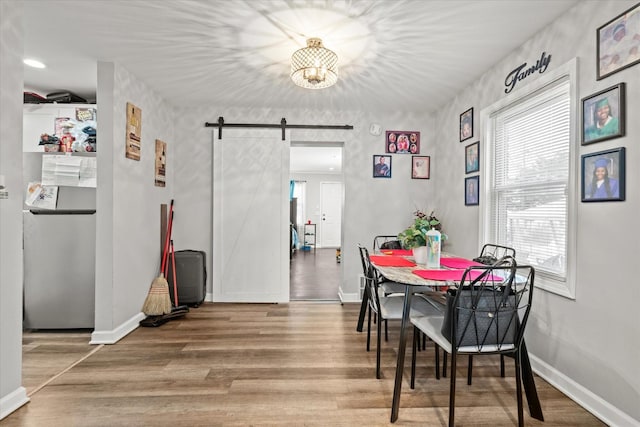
(315, 275)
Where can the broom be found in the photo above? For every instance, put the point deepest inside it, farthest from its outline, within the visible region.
(158, 301)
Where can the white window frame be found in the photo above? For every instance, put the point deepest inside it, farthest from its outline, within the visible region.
(564, 287)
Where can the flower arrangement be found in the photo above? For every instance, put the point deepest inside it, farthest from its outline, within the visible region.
(416, 235)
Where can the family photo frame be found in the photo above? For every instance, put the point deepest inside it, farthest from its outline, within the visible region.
(466, 125)
(381, 166)
(618, 43)
(603, 115)
(603, 176)
(420, 167)
(402, 142)
(472, 157)
(472, 191)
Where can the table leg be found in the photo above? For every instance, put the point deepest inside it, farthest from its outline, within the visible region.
(535, 410)
(406, 309)
(363, 308)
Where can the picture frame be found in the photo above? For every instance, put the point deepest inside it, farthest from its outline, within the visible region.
(160, 163)
(603, 176)
(472, 157)
(466, 125)
(603, 114)
(402, 142)
(472, 191)
(381, 166)
(420, 167)
(618, 43)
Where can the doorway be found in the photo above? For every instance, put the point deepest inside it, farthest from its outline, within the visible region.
(315, 270)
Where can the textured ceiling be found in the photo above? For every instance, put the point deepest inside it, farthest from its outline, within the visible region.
(393, 55)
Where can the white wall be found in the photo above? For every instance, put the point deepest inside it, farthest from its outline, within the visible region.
(590, 346)
(12, 394)
(128, 203)
(372, 206)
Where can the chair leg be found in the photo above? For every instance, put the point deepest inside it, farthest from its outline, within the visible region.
(519, 390)
(416, 343)
(444, 364)
(437, 357)
(502, 365)
(452, 391)
(378, 336)
(369, 330)
(424, 341)
(469, 370)
(386, 330)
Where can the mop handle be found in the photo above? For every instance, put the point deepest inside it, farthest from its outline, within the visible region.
(167, 238)
(175, 282)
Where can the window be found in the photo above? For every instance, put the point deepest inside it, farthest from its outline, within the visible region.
(530, 188)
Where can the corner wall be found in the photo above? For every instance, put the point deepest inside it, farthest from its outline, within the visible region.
(12, 394)
(128, 203)
(588, 347)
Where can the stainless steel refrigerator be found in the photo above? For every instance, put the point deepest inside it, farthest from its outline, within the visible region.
(59, 257)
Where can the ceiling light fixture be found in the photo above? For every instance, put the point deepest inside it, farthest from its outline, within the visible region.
(34, 63)
(314, 67)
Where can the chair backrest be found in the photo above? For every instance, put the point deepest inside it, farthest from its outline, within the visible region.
(491, 253)
(490, 308)
(386, 242)
(371, 278)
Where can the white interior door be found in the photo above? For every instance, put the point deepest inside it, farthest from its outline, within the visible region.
(331, 214)
(250, 222)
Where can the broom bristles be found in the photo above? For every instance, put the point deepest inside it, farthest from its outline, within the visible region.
(158, 301)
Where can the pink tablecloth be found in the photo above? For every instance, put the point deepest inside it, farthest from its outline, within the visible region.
(391, 261)
(454, 275)
(453, 262)
(399, 252)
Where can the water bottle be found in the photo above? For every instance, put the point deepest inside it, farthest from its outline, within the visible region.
(433, 248)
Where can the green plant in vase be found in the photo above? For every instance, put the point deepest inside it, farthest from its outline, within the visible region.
(416, 235)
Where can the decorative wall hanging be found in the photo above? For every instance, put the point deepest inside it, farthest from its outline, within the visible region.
(522, 72)
(603, 115)
(471, 190)
(472, 157)
(466, 125)
(381, 166)
(618, 43)
(160, 163)
(402, 142)
(603, 176)
(420, 167)
(134, 128)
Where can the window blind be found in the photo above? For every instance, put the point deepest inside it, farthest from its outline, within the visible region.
(528, 191)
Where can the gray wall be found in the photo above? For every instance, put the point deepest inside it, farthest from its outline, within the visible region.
(585, 345)
(12, 394)
(372, 206)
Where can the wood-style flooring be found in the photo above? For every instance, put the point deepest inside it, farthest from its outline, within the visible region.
(314, 275)
(296, 364)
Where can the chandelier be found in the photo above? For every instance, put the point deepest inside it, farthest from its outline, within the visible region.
(314, 67)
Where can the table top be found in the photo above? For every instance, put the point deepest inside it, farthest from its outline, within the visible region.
(405, 274)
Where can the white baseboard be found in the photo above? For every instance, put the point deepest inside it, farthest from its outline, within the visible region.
(13, 401)
(208, 297)
(115, 335)
(593, 403)
(345, 297)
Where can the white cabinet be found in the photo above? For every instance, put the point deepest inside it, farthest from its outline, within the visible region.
(41, 118)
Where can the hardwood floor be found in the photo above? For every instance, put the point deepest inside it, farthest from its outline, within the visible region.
(314, 276)
(296, 364)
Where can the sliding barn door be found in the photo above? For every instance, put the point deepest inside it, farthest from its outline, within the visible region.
(250, 218)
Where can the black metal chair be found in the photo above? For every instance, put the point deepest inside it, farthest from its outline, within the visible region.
(385, 242)
(492, 252)
(487, 315)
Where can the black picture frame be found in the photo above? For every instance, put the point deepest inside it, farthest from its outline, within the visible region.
(611, 101)
(380, 171)
(616, 45)
(420, 167)
(613, 186)
(466, 125)
(472, 157)
(472, 191)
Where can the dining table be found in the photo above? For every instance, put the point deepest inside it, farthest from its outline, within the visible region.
(447, 275)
